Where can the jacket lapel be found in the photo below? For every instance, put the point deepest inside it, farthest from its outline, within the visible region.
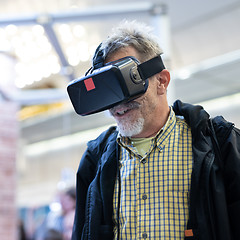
(108, 176)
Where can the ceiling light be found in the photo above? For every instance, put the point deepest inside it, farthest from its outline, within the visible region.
(184, 74)
(79, 31)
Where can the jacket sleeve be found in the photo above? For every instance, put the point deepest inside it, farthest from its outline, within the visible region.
(85, 175)
(231, 155)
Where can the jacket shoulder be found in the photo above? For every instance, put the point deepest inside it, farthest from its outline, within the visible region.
(98, 145)
(222, 128)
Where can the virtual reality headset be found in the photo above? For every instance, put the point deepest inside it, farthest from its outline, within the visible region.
(111, 84)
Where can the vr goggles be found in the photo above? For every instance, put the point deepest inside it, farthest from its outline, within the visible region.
(111, 84)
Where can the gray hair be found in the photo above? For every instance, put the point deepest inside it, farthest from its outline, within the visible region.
(134, 34)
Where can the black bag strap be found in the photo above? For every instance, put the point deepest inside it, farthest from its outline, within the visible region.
(215, 143)
(220, 130)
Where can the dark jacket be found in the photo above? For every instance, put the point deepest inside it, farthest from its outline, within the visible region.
(215, 184)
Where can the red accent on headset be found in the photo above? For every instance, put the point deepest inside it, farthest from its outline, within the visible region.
(89, 84)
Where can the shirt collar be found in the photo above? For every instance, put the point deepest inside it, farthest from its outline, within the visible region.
(162, 134)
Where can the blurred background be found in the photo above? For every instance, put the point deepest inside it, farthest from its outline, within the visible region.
(45, 44)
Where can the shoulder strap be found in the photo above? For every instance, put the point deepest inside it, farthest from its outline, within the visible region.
(215, 143)
(220, 130)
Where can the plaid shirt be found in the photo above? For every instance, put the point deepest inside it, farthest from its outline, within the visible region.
(155, 187)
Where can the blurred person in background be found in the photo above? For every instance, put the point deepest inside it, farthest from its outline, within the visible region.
(165, 172)
(68, 224)
(61, 221)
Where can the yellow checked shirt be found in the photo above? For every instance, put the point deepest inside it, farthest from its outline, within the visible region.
(155, 187)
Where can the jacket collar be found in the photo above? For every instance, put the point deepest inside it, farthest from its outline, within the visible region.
(196, 117)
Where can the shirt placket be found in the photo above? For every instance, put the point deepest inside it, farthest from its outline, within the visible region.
(143, 199)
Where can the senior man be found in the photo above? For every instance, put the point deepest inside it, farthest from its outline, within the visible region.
(165, 172)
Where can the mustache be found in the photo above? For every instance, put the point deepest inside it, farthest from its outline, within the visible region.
(127, 105)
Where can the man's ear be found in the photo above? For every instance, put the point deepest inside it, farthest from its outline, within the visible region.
(163, 80)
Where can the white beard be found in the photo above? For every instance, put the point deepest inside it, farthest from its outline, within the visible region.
(128, 126)
(129, 129)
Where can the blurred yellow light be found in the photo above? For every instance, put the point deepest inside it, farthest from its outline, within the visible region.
(36, 110)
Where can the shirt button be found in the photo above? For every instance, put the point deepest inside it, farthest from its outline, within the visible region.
(144, 197)
(144, 235)
(144, 161)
